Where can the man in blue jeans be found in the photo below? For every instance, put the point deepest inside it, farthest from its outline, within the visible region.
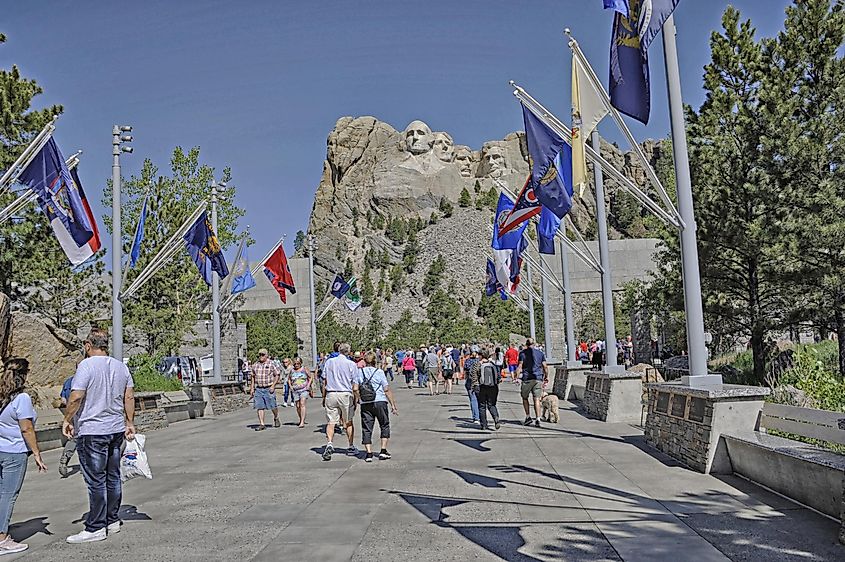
(469, 362)
(99, 414)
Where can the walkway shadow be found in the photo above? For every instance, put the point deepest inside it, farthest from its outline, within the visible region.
(480, 479)
(127, 512)
(25, 529)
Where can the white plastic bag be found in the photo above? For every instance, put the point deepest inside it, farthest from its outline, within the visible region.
(133, 461)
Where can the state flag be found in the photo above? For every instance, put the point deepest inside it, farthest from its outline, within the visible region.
(278, 272)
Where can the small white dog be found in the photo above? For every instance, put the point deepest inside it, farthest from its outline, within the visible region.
(550, 408)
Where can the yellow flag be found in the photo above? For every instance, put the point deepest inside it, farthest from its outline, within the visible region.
(587, 110)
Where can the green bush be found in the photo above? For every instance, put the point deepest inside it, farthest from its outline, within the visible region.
(811, 375)
(147, 378)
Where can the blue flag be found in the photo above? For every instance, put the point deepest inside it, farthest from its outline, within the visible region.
(242, 279)
(493, 286)
(47, 175)
(205, 250)
(552, 181)
(339, 286)
(511, 239)
(620, 6)
(135, 252)
(653, 14)
(546, 230)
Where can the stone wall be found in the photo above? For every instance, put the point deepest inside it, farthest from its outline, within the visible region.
(227, 398)
(149, 412)
(680, 425)
(597, 396)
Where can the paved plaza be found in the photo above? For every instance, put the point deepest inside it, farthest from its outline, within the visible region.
(578, 490)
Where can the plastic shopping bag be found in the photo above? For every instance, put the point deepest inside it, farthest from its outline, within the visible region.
(133, 461)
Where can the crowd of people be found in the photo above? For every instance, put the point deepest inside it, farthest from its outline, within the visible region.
(593, 352)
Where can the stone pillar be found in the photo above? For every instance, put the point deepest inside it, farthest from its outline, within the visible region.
(686, 423)
(570, 380)
(614, 397)
(556, 314)
(303, 334)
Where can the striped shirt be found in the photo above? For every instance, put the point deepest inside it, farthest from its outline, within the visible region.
(264, 373)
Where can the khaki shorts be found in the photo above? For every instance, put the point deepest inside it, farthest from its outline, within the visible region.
(533, 387)
(339, 407)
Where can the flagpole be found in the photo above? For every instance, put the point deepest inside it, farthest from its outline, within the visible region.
(544, 287)
(689, 248)
(311, 247)
(30, 195)
(215, 294)
(571, 354)
(604, 256)
(254, 271)
(531, 328)
(22, 161)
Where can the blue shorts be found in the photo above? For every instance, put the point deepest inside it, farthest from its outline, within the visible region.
(264, 399)
(512, 368)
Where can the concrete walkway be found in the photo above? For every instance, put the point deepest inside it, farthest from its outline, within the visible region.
(578, 490)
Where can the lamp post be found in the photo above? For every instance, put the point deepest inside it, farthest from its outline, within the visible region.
(117, 238)
(312, 244)
(215, 293)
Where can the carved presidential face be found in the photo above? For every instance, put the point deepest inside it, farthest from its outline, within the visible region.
(494, 161)
(418, 138)
(444, 147)
(463, 156)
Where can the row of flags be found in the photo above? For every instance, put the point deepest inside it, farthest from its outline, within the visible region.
(558, 166)
(346, 290)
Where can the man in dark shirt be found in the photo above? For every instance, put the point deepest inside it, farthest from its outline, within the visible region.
(534, 372)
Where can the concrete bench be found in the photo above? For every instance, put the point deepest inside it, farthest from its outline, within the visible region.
(806, 473)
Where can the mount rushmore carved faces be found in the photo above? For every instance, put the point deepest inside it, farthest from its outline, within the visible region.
(444, 147)
(463, 156)
(493, 162)
(418, 138)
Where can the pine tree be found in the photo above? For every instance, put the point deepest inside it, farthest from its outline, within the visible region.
(465, 199)
(410, 253)
(367, 291)
(446, 206)
(299, 241)
(375, 327)
(347, 270)
(434, 275)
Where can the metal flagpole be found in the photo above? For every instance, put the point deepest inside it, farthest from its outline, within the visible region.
(531, 328)
(311, 246)
(117, 239)
(254, 271)
(571, 354)
(11, 175)
(604, 256)
(544, 287)
(689, 248)
(30, 196)
(215, 296)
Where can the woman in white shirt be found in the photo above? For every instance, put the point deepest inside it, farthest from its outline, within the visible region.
(17, 442)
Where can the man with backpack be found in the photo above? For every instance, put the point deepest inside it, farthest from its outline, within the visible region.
(534, 371)
(485, 382)
(447, 366)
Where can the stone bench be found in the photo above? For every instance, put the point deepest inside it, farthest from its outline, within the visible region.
(806, 473)
(570, 380)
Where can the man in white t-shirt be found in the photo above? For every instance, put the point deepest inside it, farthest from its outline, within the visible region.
(99, 414)
(338, 399)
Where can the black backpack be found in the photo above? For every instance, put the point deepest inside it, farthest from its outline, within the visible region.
(365, 390)
(488, 377)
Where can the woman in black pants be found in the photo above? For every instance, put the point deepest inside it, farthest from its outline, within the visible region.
(373, 393)
(485, 381)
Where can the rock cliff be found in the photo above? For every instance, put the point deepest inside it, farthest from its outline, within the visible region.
(374, 175)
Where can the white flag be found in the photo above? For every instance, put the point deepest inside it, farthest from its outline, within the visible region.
(587, 110)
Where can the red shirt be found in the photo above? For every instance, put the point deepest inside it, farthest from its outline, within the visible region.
(511, 356)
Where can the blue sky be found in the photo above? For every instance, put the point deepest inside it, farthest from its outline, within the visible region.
(259, 85)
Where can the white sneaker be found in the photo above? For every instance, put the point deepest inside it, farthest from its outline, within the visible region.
(8, 546)
(114, 528)
(85, 536)
(284, 405)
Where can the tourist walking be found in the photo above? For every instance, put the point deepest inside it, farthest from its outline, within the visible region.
(17, 442)
(100, 414)
(534, 372)
(338, 399)
(447, 367)
(469, 363)
(68, 445)
(485, 381)
(419, 359)
(300, 387)
(432, 370)
(373, 392)
(409, 367)
(262, 388)
(287, 393)
(512, 360)
(387, 363)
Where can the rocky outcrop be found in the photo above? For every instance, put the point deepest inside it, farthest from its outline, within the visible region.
(374, 174)
(52, 353)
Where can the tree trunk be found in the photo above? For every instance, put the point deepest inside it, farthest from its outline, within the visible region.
(839, 318)
(758, 352)
(758, 331)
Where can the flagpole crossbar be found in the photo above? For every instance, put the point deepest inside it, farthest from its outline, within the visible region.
(552, 121)
(605, 99)
(168, 250)
(587, 257)
(29, 195)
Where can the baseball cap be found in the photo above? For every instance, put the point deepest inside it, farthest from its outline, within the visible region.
(263, 351)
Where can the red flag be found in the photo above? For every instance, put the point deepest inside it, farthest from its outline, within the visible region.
(277, 271)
